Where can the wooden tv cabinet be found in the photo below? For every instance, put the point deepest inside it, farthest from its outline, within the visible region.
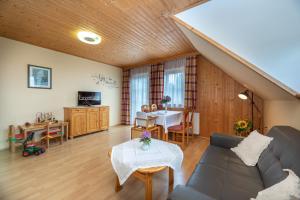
(84, 120)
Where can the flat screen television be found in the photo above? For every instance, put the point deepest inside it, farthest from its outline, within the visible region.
(86, 98)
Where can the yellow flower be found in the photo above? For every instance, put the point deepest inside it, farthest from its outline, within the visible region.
(242, 124)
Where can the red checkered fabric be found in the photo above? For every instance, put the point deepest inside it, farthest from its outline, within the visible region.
(125, 116)
(156, 84)
(190, 82)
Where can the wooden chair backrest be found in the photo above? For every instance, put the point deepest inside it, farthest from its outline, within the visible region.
(147, 122)
(59, 125)
(192, 111)
(185, 119)
(153, 107)
(145, 108)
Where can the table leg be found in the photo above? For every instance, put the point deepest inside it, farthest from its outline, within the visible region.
(171, 179)
(25, 135)
(148, 187)
(67, 132)
(118, 187)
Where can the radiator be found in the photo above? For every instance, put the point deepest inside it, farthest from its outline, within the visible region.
(196, 123)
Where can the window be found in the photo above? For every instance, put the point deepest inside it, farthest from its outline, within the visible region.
(139, 89)
(174, 82)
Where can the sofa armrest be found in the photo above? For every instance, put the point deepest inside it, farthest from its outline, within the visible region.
(187, 193)
(225, 141)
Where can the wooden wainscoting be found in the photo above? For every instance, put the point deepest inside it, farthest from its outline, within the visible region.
(218, 103)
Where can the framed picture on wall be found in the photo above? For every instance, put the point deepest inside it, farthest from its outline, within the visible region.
(39, 77)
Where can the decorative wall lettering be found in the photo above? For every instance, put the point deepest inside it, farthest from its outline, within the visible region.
(107, 81)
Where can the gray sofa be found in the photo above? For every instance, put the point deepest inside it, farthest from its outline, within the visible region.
(221, 175)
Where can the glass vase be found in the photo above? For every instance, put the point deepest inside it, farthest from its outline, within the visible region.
(145, 146)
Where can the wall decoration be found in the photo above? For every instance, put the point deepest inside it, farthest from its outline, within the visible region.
(39, 77)
(107, 81)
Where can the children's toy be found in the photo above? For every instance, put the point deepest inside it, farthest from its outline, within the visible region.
(15, 139)
(31, 148)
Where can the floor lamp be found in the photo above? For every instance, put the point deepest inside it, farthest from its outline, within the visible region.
(246, 96)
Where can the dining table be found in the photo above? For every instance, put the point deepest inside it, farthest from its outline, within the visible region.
(164, 118)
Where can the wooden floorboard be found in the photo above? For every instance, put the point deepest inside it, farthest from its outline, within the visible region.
(80, 169)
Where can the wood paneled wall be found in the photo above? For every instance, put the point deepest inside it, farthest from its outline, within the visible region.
(218, 103)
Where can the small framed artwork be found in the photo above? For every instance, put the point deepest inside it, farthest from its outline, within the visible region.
(39, 77)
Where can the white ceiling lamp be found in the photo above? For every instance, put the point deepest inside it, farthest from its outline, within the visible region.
(89, 37)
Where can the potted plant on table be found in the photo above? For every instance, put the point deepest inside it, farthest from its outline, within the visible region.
(165, 101)
(242, 127)
(146, 140)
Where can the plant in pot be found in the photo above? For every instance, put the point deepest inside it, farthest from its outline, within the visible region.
(165, 101)
(146, 140)
(242, 127)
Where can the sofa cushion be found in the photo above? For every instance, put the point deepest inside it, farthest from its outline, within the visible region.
(222, 175)
(282, 153)
(250, 149)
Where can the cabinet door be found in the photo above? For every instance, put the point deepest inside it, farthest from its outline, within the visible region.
(92, 120)
(104, 118)
(78, 122)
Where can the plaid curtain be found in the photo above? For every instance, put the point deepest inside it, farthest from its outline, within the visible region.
(190, 82)
(125, 116)
(156, 84)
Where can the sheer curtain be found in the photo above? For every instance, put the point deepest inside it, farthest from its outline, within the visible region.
(174, 81)
(139, 89)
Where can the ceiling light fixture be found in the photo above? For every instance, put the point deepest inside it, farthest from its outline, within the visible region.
(89, 37)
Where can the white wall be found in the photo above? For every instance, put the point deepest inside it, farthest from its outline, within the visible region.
(240, 72)
(282, 113)
(19, 104)
(257, 31)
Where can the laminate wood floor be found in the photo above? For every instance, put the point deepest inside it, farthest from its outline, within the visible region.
(80, 169)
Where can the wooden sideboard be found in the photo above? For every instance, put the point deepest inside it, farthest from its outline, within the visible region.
(85, 120)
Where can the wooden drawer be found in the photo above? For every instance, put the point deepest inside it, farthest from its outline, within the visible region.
(93, 109)
(78, 110)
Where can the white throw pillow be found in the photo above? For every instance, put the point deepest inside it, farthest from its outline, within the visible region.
(250, 148)
(287, 189)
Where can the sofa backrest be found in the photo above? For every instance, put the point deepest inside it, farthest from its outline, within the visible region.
(282, 153)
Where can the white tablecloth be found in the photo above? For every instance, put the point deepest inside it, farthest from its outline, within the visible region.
(128, 157)
(165, 119)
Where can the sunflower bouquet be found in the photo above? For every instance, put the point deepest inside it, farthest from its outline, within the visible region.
(242, 126)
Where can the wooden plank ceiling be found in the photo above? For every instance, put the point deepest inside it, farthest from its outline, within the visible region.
(133, 31)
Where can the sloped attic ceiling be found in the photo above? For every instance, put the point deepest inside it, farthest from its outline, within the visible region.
(256, 42)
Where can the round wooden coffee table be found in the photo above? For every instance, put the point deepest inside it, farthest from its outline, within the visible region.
(145, 175)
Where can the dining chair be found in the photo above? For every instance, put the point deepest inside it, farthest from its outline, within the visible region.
(153, 107)
(53, 133)
(180, 130)
(145, 108)
(144, 123)
(190, 131)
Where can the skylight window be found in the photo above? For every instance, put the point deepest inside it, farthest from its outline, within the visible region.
(265, 33)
